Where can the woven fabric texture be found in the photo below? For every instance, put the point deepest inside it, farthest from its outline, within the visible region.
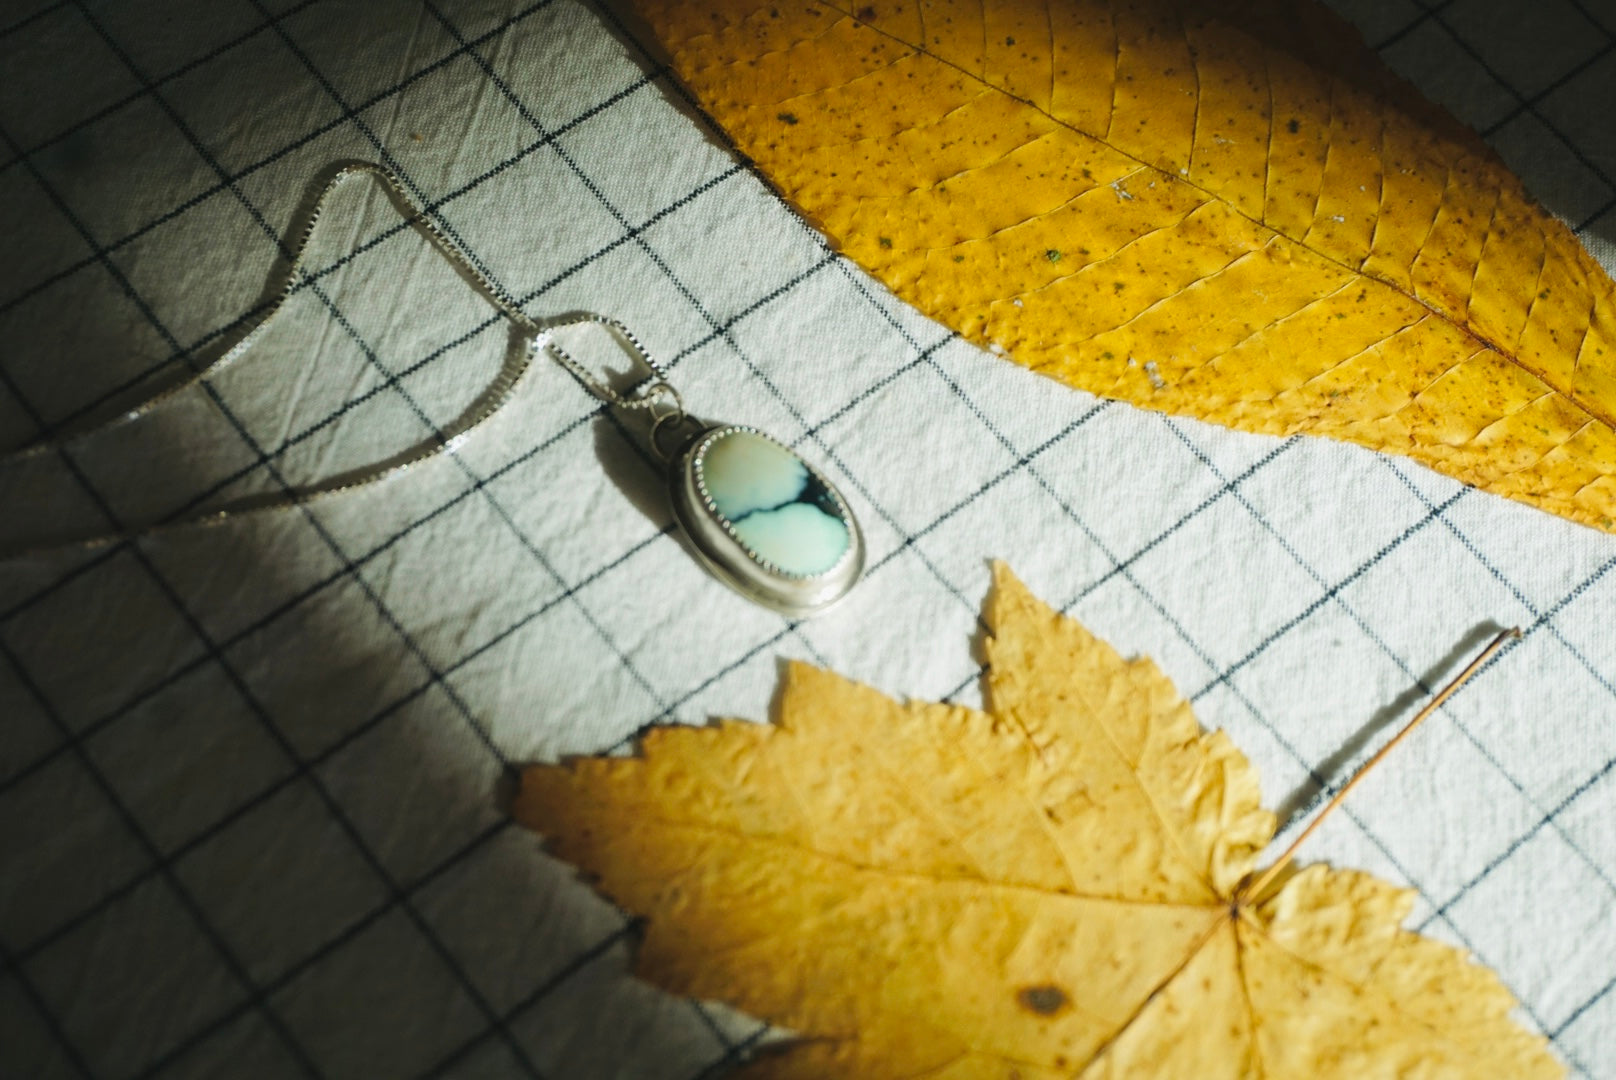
(253, 777)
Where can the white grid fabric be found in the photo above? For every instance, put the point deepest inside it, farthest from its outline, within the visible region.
(253, 778)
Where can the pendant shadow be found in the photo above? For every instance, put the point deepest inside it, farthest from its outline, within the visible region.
(629, 465)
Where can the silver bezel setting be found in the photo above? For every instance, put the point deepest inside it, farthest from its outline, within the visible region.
(729, 558)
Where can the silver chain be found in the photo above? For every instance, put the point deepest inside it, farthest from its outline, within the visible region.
(654, 394)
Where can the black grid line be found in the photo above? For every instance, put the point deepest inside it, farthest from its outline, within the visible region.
(337, 746)
(1432, 514)
(1427, 12)
(1576, 1014)
(400, 898)
(1545, 619)
(145, 91)
(1570, 73)
(343, 936)
(1588, 221)
(263, 163)
(1331, 594)
(1526, 105)
(514, 1047)
(539, 993)
(28, 20)
(191, 905)
(1541, 620)
(1516, 844)
(819, 436)
(333, 807)
(221, 949)
(313, 278)
(12, 967)
(504, 515)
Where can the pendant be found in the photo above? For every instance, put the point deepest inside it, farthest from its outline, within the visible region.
(756, 515)
(764, 521)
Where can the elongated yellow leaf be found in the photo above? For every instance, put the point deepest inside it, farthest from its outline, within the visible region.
(1223, 210)
(1051, 889)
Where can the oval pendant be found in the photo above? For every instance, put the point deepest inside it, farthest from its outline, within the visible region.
(764, 521)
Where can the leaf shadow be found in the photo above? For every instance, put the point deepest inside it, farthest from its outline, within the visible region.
(1326, 776)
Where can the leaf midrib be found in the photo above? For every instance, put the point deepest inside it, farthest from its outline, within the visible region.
(1217, 903)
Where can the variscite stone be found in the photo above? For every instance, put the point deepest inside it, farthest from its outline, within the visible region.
(778, 508)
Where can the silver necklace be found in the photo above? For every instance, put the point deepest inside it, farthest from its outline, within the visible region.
(754, 513)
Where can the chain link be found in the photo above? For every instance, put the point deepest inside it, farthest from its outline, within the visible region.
(651, 390)
(531, 335)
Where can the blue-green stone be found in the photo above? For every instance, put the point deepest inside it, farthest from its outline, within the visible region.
(778, 507)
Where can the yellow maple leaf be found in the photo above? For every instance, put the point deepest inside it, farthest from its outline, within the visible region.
(1225, 210)
(1061, 886)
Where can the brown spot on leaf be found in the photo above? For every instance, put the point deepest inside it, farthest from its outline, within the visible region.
(1043, 1000)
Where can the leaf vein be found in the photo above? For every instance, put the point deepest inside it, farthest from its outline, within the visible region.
(1430, 230)
(1324, 170)
(820, 92)
(1531, 305)
(1481, 255)
(1116, 80)
(1365, 990)
(1457, 322)
(893, 874)
(1268, 152)
(1178, 293)
(933, 122)
(1371, 347)
(1380, 197)
(1041, 215)
(726, 65)
(1104, 260)
(1195, 120)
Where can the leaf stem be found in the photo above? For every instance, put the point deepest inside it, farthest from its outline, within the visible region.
(1250, 892)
